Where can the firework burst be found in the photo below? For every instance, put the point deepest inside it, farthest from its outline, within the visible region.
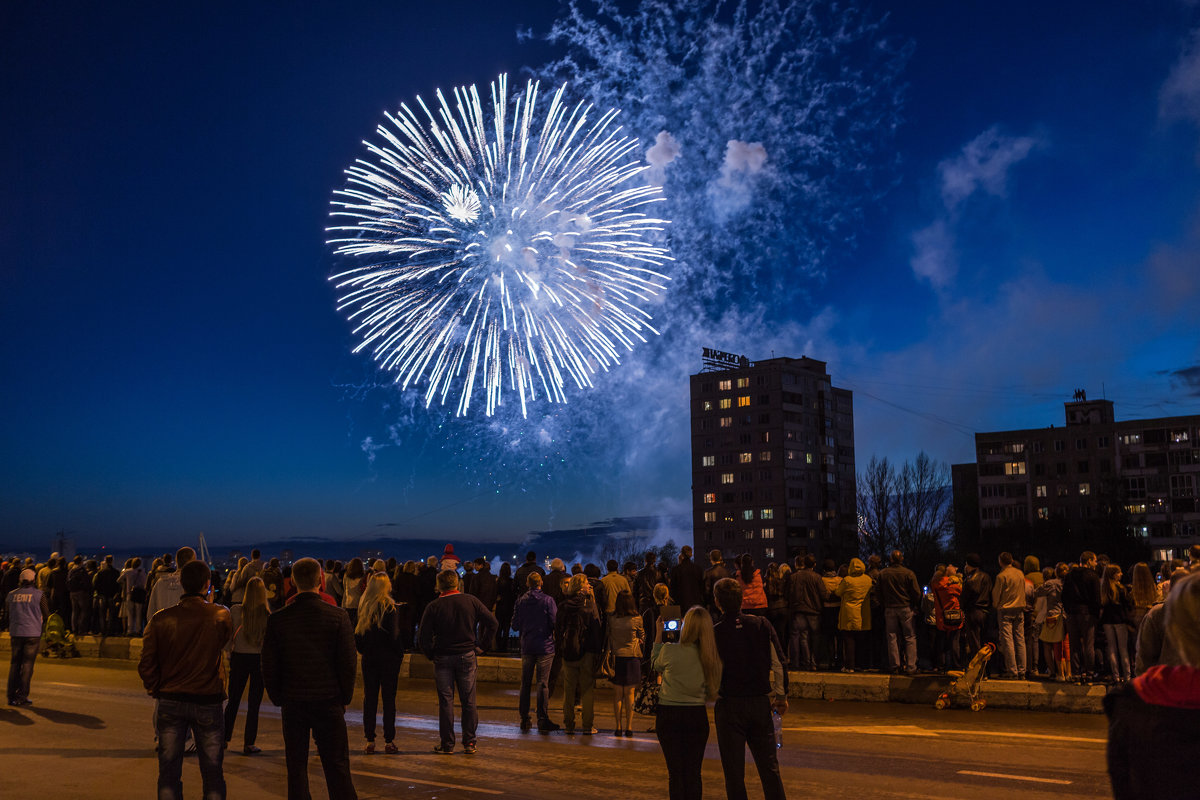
(508, 250)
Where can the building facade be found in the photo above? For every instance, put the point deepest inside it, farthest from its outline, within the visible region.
(772, 460)
(1146, 468)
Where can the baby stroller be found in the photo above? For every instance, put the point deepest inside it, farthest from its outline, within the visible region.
(967, 683)
(57, 641)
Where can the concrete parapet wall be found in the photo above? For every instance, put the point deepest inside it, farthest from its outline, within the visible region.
(830, 686)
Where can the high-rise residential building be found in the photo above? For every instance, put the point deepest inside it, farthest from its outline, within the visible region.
(772, 459)
(1145, 469)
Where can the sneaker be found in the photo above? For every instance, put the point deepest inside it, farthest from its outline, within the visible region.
(443, 750)
(589, 732)
(369, 749)
(469, 749)
(391, 749)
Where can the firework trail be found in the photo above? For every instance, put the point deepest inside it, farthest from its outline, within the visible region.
(508, 249)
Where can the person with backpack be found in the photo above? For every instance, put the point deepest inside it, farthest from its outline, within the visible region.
(578, 641)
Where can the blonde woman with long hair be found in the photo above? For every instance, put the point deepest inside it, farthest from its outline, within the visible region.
(245, 661)
(377, 637)
(691, 676)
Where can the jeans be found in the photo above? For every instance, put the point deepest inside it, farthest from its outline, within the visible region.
(682, 734)
(1081, 628)
(1116, 640)
(326, 725)
(243, 668)
(81, 609)
(899, 622)
(581, 673)
(743, 721)
(173, 720)
(450, 673)
(379, 680)
(805, 629)
(20, 666)
(137, 612)
(1012, 641)
(542, 664)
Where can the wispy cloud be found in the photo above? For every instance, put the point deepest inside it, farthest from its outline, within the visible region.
(1179, 97)
(982, 166)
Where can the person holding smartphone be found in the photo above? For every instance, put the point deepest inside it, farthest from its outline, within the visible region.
(691, 675)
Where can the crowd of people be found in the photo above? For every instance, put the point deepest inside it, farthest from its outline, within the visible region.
(737, 630)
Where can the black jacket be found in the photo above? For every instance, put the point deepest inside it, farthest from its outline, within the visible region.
(455, 624)
(1153, 747)
(308, 653)
(382, 647)
(485, 588)
(1081, 591)
(806, 592)
(687, 585)
(898, 588)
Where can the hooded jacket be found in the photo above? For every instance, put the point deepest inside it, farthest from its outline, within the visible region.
(1154, 734)
(855, 613)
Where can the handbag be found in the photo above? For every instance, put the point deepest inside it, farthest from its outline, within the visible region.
(952, 616)
(646, 699)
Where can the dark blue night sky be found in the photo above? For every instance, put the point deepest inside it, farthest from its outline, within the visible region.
(173, 360)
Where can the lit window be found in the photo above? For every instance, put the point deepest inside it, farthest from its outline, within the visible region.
(1043, 513)
(744, 401)
(808, 457)
(710, 516)
(1179, 436)
(769, 552)
(726, 477)
(726, 422)
(1131, 438)
(710, 497)
(768, 533)
(742, 383)
(748, 514)
(1085, 488)
(708, 461)
(748, 534)
(1040, 491)
(765, 455)
(766, 436)
(726, 402)
(725, 386)
(766, 513)
(1014, 468)
(708, 405)
(745, 458)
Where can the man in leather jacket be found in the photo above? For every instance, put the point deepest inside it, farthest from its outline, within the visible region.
(181, 667)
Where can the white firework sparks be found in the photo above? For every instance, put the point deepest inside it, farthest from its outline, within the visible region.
(508, 253)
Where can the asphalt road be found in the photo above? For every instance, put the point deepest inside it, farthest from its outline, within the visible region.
(88, 735)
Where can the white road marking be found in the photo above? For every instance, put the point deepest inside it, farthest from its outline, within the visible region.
(60, 683)
(1013, 777)
(878, 730)
(406, 779)
(913, 730)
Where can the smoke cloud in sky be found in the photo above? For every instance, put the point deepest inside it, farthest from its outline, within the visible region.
(762, 172)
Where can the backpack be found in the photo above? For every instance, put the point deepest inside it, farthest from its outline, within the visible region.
(574, 635)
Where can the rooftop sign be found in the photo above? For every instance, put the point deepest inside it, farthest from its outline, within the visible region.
(718, 360)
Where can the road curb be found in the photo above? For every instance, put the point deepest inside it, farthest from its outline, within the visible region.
(829, 686)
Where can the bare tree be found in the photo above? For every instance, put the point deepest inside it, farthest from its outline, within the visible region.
(908, 510)
(876, 489)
